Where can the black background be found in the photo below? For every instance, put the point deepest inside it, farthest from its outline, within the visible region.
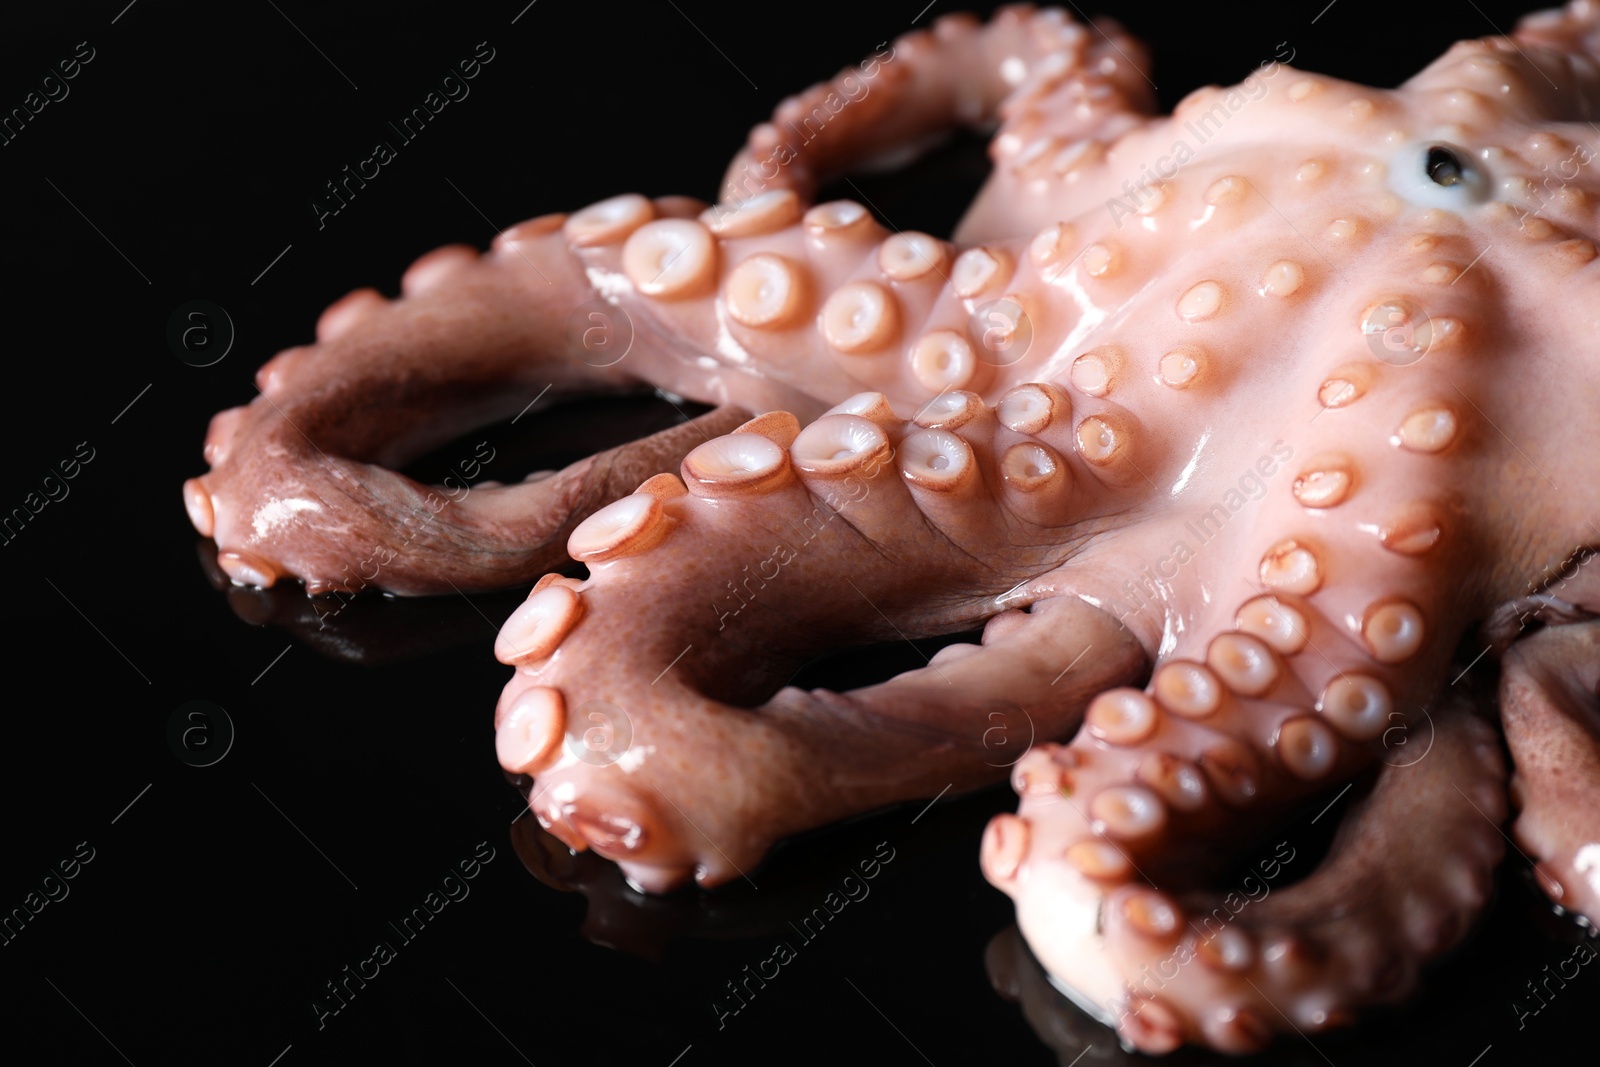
(362, 769)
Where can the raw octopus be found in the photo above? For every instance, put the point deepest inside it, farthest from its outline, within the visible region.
(1240, 432)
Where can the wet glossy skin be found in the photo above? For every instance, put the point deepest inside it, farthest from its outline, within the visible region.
(1265, 404)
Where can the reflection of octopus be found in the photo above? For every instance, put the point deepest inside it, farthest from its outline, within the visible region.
(1268, 406)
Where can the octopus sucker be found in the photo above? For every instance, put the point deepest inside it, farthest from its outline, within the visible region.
(1244, 663)
(1182, 366)
(1280, 624)
(622, 528)
(1358, 705)
(779, 427)
(766, 292)
(1393, 630)
(839, 445)
(1430, 428)
(535, 630)
(343, 314)
(936, 461)
(859, 318)
(1102, 259)
(529, 735)
(1292, 566)
(561, 579)
(1176, 780)
(978, 271)
(197, 502)
(1187, 689)
(506, 241)
(871, 406)
(1005, 842)
(670, 258)
(1110, 445)
(244, 568)
(764, 213)
(943, 359)
(608, 221)
(739, 464)
(435, 268)
(1306, 746)
(908, 256)
(1201, 301)
(838, 221)
(1229, 464)
(1095, 372)
(1035, 408)
(1327, 482)
(952, 410)
(1127, 813)
(1052, 244)
(1283, 278)
(1037, 484)
(1122, 717)
(1346, 385)
(662, 487)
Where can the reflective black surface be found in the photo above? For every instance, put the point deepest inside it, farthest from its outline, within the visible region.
(215, 892)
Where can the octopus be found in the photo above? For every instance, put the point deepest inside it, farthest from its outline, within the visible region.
(1250, 437)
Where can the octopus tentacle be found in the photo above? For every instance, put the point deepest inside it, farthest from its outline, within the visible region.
(301, 483)
(1228, 967)
(772, 548)
(1274, 685)
(296, 487)
(1551, 716)
(801, 311)
(823, 304)
(1560, 50)
(1022, 65)
(1409, 871)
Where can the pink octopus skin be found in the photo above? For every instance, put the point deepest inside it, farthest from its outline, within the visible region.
(1226, 463)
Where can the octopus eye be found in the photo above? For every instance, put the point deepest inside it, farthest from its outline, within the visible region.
(1438, 175)
(1444, 166)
